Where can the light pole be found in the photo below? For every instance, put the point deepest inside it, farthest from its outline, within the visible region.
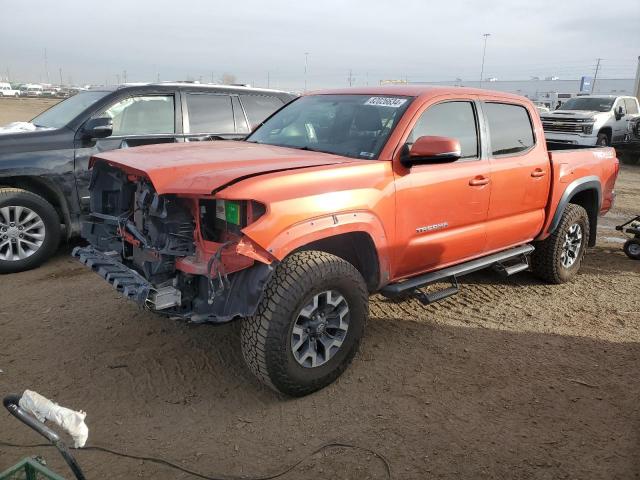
(484, 51)
(306, 65)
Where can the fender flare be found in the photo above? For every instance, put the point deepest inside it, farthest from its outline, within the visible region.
(302, 233)
(28, 181)
(591, 182)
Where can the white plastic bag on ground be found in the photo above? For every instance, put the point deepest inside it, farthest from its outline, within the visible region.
(44, 409)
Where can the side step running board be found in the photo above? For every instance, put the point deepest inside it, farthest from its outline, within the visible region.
(452, 273)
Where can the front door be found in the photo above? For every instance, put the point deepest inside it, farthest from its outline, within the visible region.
(520, 176)
(137, 120)
(441, 208)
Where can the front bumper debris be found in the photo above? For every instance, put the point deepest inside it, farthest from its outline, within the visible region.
(127, 282)
(240, 297)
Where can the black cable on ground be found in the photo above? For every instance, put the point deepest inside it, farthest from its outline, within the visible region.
(169, 464)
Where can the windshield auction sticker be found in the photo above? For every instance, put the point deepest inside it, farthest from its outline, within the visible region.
(386, 102)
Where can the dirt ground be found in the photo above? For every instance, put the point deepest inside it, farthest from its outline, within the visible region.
(509, 379)
(23, 109)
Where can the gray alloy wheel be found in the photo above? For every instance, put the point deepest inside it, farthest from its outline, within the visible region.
(22, 232)
(320, 329)
(571, 245)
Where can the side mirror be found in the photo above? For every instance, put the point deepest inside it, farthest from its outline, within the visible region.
(619, 113)
(101, 127)
(432, 149)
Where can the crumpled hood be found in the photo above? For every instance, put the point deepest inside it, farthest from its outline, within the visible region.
(200, 168)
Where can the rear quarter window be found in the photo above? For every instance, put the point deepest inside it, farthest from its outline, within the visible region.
(510, 128)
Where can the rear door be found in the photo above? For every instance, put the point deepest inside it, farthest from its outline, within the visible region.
(441, 208)
(138, 119)
(520, 174)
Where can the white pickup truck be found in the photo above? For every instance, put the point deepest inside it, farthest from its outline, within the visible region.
(590, 120)
(7, 91)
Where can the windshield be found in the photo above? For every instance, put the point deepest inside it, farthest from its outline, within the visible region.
(62, 113)
(589, 104)
(354, 126)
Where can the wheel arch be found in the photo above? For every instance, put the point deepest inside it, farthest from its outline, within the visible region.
(608, 131)
(357, 237)
(355, 247)
(586, 192)
(47, 190)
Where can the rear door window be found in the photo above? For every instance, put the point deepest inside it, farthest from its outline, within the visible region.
(259, 107)
(210, 113)
(510, 128)
(143, 115)
(450, 119)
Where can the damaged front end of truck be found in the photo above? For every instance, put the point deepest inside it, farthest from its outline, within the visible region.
(182, 256)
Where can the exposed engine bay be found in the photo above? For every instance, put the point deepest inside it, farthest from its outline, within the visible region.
(181, 257)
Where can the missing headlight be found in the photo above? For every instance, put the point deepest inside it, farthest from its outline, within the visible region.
(219, 217)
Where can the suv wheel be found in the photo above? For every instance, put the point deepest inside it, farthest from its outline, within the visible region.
(29, 230)
(309, 324)
(557, 258)
(632, 248)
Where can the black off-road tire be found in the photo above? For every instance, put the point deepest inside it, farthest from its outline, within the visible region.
(266, 336)
(603, 140)
(546, 259)
(12, 197)
(632, 248)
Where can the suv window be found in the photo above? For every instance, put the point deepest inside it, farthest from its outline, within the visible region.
(510, 128)
(632, 106)
(210, 113)
(259, 107)
(238, 116)
(450, 119)
(142, 115)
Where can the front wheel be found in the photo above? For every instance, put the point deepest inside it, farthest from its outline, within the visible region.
(632, 248)
(602, 140)
(557, 258)
(29, 230)
(308, 325)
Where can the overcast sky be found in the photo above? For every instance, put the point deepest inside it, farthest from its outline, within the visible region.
(265, 41)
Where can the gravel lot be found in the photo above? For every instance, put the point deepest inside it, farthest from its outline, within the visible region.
(509, 379)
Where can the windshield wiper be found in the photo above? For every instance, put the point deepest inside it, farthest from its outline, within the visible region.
(309, 149)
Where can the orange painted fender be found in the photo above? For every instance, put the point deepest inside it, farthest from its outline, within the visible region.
(303, 233)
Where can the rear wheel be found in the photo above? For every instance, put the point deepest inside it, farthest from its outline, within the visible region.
(632, 248)
(558, 258)
(29, 230)
(309, 324)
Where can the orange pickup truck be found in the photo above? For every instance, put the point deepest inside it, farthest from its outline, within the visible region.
(338, 195)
